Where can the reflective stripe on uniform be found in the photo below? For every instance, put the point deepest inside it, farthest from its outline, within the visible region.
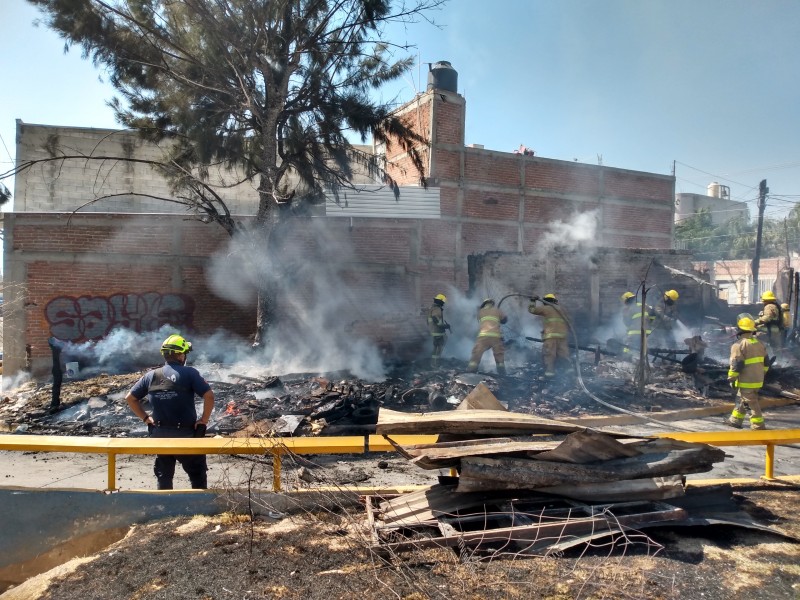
(737, 415)
(489, 334)
(756, 419)
(733, 373)
(489, 318)
(748, 386)
(754, 360)
(547, 336)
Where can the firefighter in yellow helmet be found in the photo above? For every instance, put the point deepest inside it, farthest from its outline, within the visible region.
(554, 332)
(489, 336)
(438, 328)
(772, 321)
(633, 315)
(665, 319)
(746, 373)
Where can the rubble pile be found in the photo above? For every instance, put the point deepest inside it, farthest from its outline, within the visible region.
(254, 403)
(529, 485)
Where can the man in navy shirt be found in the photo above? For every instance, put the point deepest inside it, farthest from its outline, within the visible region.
(172, 389)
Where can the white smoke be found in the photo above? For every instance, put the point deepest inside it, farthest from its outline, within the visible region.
(577, 233)
(319, 318)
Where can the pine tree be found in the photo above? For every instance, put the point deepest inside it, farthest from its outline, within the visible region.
(270, 89)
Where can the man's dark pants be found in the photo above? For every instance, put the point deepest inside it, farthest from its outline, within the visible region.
(194, 465)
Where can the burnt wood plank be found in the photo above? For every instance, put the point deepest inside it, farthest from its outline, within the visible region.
(533, 474)
(487, 422)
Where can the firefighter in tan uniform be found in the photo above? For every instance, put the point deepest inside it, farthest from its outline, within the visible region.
(438, 328)
(632, 314)
(666, 319)
(489, 336)
(554, 332)
(772, 320)
(746, 373)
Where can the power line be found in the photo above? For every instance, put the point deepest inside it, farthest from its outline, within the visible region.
(11, 158)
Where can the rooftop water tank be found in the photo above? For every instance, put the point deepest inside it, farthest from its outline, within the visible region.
(442, 76)
(715, 190)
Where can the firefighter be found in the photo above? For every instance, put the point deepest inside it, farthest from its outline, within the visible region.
(772, 321)
(786, 316)
(438, 328)
(489, 336)
(746, 374)
(632, 314)
(665, 316)
(172, 389)
(554, 332)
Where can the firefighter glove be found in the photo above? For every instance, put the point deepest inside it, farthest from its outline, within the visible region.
(200, 430)
(535, 298)
(447, 326)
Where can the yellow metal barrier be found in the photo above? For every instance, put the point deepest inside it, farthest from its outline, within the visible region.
(277, 447)
(766, 437)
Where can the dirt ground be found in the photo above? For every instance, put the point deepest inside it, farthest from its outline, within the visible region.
(327, 555)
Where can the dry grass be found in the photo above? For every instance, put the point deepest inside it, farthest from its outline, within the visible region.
(326, 555)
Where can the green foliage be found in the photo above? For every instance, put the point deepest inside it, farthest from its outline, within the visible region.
(272, 88)
(736, 238)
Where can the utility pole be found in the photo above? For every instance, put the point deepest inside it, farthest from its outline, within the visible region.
(763, 190)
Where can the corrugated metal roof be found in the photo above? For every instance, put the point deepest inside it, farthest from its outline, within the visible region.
(385, 202)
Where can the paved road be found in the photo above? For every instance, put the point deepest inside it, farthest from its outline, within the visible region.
(56, 470)
(741, 461)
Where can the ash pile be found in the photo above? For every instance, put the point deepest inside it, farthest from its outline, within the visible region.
(256, 403)
(527, 485)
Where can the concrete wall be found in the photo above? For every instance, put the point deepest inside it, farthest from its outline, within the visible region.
(721, 209)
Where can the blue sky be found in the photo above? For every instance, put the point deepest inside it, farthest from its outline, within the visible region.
(710, 84)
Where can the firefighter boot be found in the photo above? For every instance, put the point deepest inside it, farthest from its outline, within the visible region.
(735, 420)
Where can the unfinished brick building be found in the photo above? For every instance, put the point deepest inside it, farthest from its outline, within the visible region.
(76, 275)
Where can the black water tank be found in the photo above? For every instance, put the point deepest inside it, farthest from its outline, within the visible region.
(442, 76)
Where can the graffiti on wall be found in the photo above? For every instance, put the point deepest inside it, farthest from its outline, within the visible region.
(92, 317)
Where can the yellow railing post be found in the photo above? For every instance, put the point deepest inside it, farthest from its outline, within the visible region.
(276, 470)
(112, 471)
(770, 462)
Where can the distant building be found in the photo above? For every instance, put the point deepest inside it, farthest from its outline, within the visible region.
(734, 278)
(718, 202)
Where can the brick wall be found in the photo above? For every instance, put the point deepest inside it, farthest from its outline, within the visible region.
(569, 274)
(76, 277)
(386, 270)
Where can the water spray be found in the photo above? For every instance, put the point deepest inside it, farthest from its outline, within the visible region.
(577, 366)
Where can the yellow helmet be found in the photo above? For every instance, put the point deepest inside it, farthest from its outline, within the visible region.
(441, 297)
(785, 306)
(549, 297)
(672, 295)
(746, 324)
(175, 344)
(768, 295)
(627, 296)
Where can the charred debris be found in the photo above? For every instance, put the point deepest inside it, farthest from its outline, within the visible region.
(250, 403)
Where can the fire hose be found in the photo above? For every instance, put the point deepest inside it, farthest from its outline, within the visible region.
(595, 398)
